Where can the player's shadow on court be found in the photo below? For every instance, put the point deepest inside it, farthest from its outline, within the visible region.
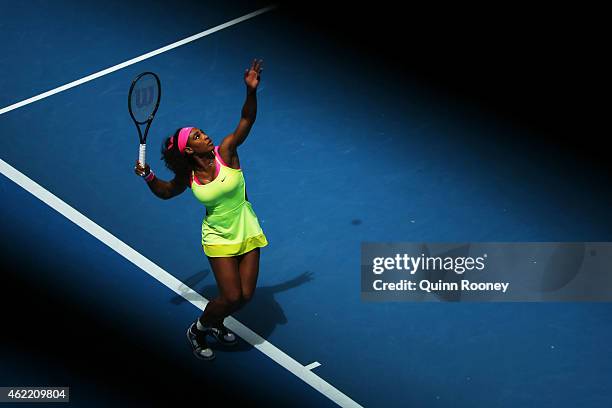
(262, 314)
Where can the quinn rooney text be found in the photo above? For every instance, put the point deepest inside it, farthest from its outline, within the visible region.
(429, 286)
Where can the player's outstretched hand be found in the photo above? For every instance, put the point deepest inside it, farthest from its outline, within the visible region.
(252, 74)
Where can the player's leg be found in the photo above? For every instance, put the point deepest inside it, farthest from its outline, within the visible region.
(228, 301)
(248, 269)
(226, 274)
(228, 282)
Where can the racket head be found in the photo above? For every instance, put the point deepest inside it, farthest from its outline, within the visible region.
(144, 97)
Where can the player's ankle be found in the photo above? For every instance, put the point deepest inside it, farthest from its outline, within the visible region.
(203, 326)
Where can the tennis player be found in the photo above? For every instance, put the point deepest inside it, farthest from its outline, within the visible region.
(231, 234)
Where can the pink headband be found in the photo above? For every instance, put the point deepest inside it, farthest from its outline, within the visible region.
(182, 139)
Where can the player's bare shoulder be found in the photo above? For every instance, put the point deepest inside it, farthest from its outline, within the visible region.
(229, 153)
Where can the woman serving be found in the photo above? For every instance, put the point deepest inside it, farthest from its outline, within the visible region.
(231, 234)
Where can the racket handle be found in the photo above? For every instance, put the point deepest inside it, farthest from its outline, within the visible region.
(142, 153)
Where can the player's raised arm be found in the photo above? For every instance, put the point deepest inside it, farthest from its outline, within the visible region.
(249, 109)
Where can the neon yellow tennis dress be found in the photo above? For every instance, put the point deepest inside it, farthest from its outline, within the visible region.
(230, 227)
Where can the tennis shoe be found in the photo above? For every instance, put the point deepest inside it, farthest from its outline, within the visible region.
(199, 346)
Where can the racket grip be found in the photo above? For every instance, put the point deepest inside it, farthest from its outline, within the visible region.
(142, 153)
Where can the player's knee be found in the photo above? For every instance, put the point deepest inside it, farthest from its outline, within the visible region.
(232, 300)
(247, 295)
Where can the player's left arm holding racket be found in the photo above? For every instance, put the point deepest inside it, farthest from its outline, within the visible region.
(162, 189)
(143, 100)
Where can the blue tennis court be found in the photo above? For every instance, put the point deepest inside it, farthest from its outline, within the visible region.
(328, 166)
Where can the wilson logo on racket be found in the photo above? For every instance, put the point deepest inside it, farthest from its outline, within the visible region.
(144, 97)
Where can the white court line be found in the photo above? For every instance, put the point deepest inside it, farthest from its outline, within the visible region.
(176, 285)
(312, 366)
(136, 60)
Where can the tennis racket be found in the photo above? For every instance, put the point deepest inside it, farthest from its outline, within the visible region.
(143, 101)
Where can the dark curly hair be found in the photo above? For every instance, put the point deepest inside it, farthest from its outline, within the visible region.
(173, 158)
